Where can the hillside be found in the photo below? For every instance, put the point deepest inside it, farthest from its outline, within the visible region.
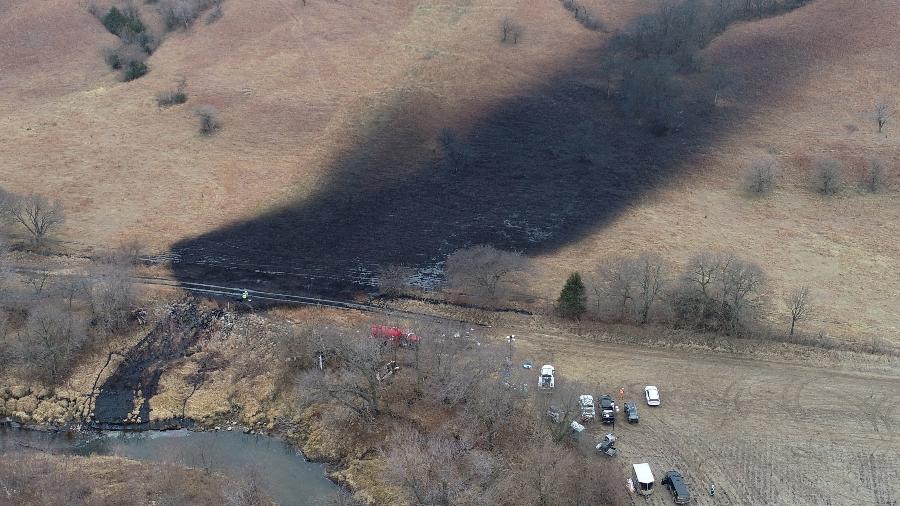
(330, 154)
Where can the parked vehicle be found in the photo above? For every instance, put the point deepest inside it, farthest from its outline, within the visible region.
(607, 445)
(607, 409)
(586, 403)
(652, 395)
(678, 487)
(642, 477)
(631, 413)
(546, 381)
(394, 336)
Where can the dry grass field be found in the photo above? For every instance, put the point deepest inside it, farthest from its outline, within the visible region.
(329, 150)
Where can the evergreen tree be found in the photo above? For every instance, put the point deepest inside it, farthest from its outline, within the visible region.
(573, 298)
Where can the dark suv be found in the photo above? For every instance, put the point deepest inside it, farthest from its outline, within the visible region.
(607, 409)
(631, 412)
(678, 487)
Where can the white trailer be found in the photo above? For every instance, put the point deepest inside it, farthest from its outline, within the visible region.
(643, 479)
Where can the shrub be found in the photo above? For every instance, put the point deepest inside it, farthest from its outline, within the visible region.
(583, 15)
(874, 177)
(173, 97)
(120, 22)
(134, 70)
(828, 174)
(209, 119)
(760, 177)
(215, 15)
(181, 14)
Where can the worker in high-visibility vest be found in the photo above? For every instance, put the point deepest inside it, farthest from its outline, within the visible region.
(245, 296)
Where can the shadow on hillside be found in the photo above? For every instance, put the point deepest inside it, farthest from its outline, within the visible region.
(545, 169)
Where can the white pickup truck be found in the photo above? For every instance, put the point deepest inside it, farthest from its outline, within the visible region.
(546, 381)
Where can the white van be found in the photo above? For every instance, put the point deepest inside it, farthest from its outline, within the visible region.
(642, 478)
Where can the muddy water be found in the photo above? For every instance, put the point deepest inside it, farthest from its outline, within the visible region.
(285, 474)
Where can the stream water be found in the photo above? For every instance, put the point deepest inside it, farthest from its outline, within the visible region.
(286, 476)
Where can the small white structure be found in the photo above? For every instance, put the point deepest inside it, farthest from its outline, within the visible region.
(642, 477)
(546, 381)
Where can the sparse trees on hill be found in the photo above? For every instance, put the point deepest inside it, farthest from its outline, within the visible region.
(760, 177)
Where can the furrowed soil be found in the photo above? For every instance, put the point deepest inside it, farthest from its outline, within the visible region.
(762, 431)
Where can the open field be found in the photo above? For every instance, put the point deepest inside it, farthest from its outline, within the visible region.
(329, 156)
(764, 432)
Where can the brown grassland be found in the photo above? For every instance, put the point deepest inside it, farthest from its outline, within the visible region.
(299, 87)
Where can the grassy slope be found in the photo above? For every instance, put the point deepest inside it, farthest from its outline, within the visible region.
(298, 87)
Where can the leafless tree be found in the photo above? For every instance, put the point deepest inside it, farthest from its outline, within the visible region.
(720, 291)
(634, 284)
(479, 270)
(50, 341)
(36, 214)
(828, 175)
(510, 31)
(873, 180)
(246, 490)
(426, 467)
(353, 378)
(112, 294)
(393, 280)
(798, 304)
(651, 278)
(760, 177)
(882, 113)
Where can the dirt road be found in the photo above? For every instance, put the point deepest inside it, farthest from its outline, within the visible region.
(763, 432)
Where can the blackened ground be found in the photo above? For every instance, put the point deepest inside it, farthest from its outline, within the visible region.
(544, 170)
(123, 399)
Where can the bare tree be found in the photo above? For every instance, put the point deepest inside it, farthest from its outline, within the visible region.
(719, 291)
(651, 91)
(481, 269)
(353, 379)
(760, 177)
(51, 339)
(426, 467)
(651, 279)
(633, 285)
(720, 81)
(875, 175)
(510, 31)
(112, 294)
(798, 304)
(36, 214)
(882, 113)
(393, 280)
(828, 175)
